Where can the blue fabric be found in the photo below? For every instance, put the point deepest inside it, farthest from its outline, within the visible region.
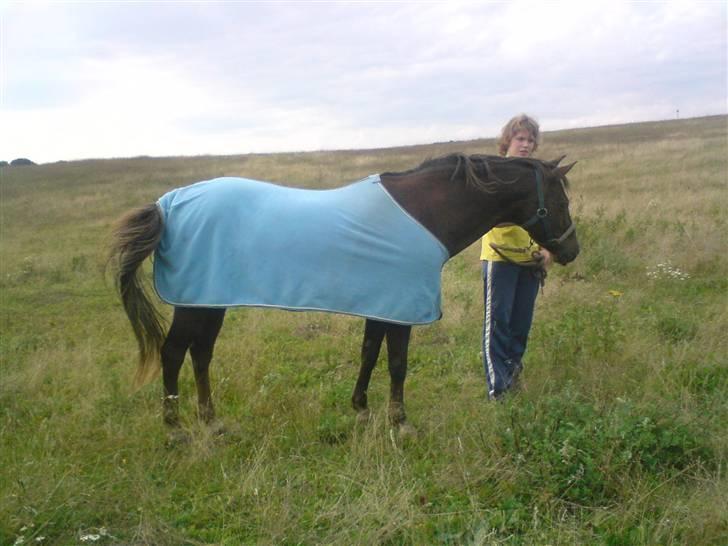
(509, 295)
(235, 242)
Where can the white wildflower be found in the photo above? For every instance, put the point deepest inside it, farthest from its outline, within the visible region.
(94, 537)
(666, 271)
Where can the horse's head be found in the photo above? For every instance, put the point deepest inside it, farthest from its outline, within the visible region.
(486, 191)
(537, 198)
(550, 223)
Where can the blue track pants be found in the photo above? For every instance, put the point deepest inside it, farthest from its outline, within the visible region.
(509, 293)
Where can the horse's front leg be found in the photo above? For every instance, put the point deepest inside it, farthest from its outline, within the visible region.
(373, 335)
(398, 337)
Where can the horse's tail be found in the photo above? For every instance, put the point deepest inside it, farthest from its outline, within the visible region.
(135, 237)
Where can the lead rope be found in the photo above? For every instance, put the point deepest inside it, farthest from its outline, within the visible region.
(535, 264)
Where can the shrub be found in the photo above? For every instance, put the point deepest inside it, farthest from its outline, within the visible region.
(580, 453)
(21, 162)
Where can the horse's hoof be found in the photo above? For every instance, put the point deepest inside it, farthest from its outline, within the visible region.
(363, 417)
(217, 428)
(177, 437)
(406, 431)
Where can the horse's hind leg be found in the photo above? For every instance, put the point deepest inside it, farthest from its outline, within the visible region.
(398, 337)
(373, 336)
(178, 340)
(203, 343)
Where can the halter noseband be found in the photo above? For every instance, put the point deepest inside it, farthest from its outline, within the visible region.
(542, 214)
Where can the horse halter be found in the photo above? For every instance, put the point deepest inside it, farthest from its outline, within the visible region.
(542, 214)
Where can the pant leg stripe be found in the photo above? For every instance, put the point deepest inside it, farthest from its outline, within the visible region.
(487, 328)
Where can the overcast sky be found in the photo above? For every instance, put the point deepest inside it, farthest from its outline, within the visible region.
(120, 79)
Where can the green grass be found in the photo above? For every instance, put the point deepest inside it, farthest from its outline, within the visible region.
(618, 437)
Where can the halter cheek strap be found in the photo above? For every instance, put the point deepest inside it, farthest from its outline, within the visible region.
(542, 214)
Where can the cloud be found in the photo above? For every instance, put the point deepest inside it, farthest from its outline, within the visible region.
(103, 80)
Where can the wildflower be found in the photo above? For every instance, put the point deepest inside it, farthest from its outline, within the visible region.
(615, 293)
(93, 537)
(666, 271)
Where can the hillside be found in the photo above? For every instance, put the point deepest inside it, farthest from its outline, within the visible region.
(618, 436)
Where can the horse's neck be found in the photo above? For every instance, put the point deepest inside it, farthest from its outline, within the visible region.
(454, 213)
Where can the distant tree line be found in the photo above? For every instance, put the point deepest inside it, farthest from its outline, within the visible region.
(20, 162)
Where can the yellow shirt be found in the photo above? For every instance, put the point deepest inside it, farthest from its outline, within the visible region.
(513, 241)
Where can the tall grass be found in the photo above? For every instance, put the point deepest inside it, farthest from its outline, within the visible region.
(617, 438)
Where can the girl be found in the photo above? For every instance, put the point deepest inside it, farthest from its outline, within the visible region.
(510, 285)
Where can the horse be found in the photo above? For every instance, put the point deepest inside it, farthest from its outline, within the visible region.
(453, 199)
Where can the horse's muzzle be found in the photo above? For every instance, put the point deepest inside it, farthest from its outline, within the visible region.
(566, 254)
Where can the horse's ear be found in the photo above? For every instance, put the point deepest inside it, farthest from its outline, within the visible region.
(555, 162)
(566, 168)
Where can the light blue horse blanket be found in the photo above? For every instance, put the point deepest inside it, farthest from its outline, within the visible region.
(233, 242)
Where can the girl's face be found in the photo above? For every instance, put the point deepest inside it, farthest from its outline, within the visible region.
(522, 144)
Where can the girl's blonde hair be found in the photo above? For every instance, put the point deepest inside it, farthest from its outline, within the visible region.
(521, 122)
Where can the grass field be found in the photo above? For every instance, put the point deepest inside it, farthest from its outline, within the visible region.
(618, 438)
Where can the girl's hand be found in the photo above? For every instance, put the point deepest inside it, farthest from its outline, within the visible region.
(547, 259)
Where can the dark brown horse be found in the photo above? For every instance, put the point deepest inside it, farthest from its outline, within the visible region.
(457, 198)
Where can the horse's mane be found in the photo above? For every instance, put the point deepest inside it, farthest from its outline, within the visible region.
(471, 165)
(547, 168)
